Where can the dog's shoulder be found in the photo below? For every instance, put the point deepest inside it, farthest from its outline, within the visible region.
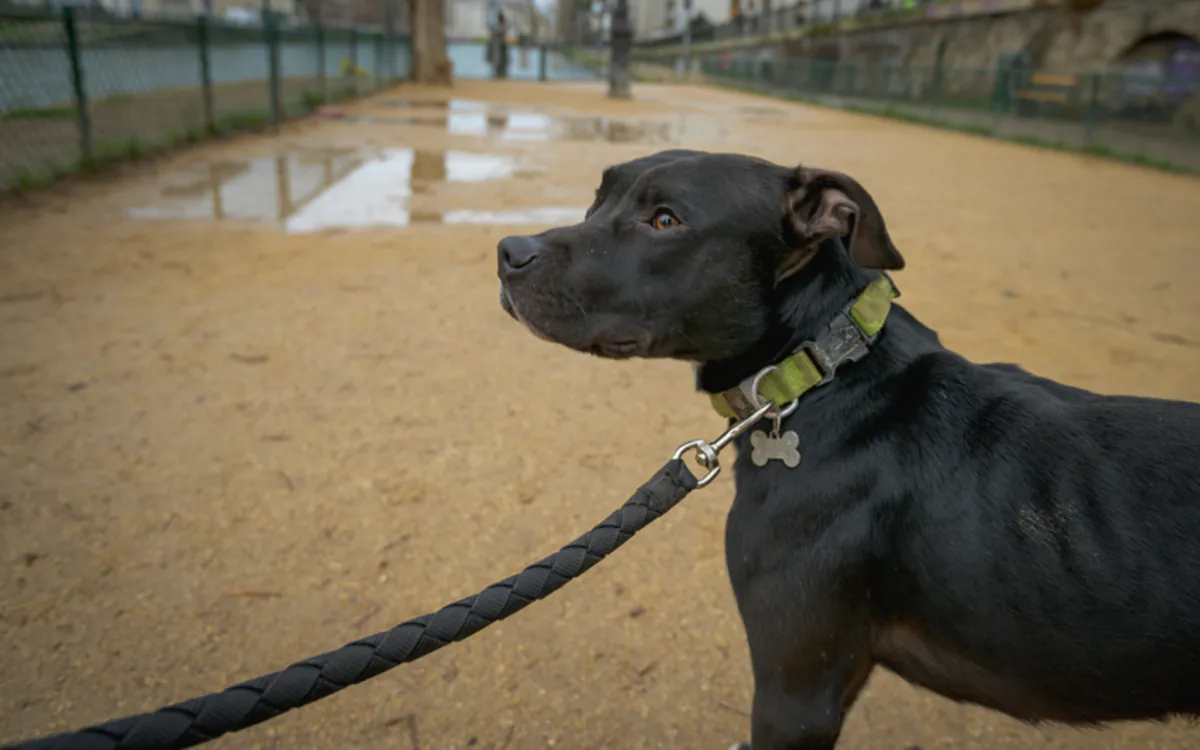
(1000, 409)
(1015, 375)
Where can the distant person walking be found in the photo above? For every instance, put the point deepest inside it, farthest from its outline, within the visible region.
(497, 48)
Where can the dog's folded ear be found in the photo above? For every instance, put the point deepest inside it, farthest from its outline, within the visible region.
(821, 204)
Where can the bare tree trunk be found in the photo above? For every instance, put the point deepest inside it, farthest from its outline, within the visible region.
(429, 61)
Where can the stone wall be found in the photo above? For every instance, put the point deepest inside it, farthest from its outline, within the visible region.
(1099, 38)
(1053, 33)
(962, 43)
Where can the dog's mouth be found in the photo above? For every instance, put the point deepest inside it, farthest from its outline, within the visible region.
(609, 346)
(506, 303)
(510, 308)
(623, 348)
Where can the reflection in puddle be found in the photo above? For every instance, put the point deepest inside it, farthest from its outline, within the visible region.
(556, 215)
(465, 117)
(347, 188)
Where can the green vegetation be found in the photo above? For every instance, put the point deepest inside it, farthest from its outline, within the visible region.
(27, 180)
(109, 154)
(310, 100)
(343, 93)
(251, 119)
(39, 113)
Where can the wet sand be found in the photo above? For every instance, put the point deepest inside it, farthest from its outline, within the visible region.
(225, 447)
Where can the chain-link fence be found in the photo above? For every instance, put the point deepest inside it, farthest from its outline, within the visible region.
(80, 89)
(1150, 119)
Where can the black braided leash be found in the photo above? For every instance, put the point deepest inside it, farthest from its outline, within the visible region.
(202, 719)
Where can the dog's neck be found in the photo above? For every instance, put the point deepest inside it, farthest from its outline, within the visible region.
(807, 302)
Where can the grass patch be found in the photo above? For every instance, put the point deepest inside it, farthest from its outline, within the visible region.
(1107, 152)
(108, 151)
(252, 119)
(1033, 140)
(971, 129)
(27, 180)
(105, 156)
(975, 105)
(308, 103)
(39, 113)
(343, 93)
(914, 118)
(310, 100)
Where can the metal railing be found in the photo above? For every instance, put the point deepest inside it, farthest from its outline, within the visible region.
(81, 89)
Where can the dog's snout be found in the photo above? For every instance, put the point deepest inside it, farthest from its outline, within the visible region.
(517, 253)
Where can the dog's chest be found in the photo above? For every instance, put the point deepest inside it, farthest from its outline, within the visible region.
(795, 514)
(905, 650)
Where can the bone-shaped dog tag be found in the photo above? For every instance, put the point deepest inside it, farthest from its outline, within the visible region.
(785, 448)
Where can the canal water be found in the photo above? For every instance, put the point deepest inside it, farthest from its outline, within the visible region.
(34, 76)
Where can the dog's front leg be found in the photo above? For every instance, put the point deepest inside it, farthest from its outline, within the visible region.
(805, 716)
(810, 653)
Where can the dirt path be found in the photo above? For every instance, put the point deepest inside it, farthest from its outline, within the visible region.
(224, 447)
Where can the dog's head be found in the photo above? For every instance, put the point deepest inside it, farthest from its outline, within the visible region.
(685, 254)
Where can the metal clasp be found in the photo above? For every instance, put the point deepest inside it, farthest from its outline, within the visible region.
(707, 454)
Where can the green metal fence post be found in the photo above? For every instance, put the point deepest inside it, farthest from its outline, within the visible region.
(1092, 111)
(82, 118)
(321, 62)
(206, 88)
(354, 58)
(935, 88)
(392, 51)
(377, 39)
(271, 37)
(385, 62)
(1002, 93)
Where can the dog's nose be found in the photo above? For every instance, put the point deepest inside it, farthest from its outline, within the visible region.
(516, 253)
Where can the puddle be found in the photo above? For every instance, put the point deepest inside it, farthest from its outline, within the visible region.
(755, 112)
(313, 190)
(466, 117)
(422, 104)
(309, 190)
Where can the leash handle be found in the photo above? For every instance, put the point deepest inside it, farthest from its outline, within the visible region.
(200, 720)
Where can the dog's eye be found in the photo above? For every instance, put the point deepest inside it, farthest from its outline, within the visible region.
(664, 220)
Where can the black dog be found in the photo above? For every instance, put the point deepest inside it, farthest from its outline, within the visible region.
(996, 537)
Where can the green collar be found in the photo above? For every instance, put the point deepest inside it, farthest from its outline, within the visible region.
(814, 363)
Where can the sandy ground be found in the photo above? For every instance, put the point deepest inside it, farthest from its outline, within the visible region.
(224, 448)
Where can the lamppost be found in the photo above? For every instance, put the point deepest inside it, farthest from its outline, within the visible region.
(620, 42)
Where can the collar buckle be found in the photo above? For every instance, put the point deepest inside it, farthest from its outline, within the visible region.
(844, 341)
(846, 338)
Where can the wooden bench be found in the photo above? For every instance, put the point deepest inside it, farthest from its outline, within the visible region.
(1048, 88)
